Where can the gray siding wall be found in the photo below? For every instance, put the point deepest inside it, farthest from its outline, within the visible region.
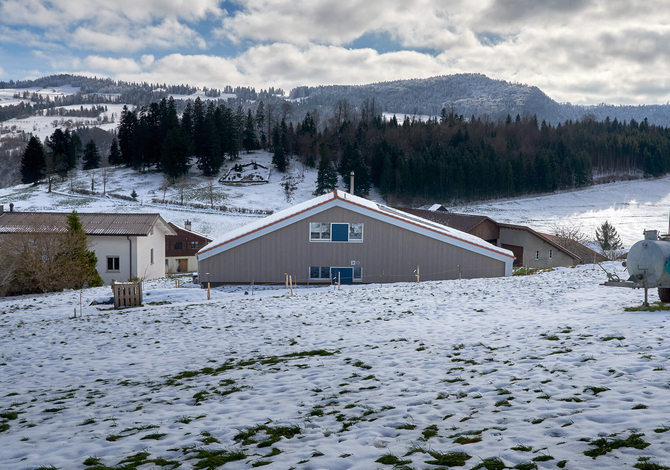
(531, 243)
(387, 254)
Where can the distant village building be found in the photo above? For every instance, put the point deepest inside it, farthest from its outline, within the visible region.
(180, 249)
(126, 245)
(345, 237)
(530, 248)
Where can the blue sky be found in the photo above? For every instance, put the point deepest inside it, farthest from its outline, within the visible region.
(581, 51)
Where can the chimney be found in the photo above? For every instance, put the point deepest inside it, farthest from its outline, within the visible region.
(11, 207)
(187, 225)
(351, 182)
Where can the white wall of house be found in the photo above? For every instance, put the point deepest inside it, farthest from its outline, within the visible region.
(107, 246)
(146, 269)
(119, 246)
(173, 264)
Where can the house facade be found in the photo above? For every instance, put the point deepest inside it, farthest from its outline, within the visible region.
(345, 237)
(180, 249)
(126, 245)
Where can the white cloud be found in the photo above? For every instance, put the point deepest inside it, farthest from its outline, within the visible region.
(111, 65)
(168, 34)
(65, 12)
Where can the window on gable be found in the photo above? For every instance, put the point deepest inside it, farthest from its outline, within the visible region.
(194, 245)
(177, 246)
(319, 231)
(537, 255)
(355, 232)
(152, 256)
(551, 254)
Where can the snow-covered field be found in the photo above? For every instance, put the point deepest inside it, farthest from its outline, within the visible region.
(530, 370)
(631, 206)
(123, 181)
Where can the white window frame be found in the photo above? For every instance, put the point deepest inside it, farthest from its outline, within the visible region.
(309, 227)
(358, 279)
(309, 274)
(330, 237)
(119, 263)
(537, 255)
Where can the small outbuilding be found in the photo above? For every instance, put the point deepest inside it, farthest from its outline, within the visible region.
(339, 235)
(180, 249)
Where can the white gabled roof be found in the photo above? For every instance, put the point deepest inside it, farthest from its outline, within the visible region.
(363, 206)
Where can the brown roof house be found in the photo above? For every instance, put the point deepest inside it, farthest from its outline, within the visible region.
(341, 236)
(530, 248)
(180, 249)
(126, 245)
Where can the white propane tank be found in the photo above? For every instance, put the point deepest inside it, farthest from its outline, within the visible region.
(647, 259)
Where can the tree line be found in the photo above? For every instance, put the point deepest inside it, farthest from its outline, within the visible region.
(449, 157)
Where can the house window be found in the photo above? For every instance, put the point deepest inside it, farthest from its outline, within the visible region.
(177, 246)
(152, 256)
(537, 255)
(358, 274)
(319, 231)
(337, 232)
(194, 245)
(319, 272)
(551, 254)
(112, 263)
(355, 232)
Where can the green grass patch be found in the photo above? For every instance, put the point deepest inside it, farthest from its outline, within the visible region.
(596, 390)
(492, 463)
(450, 459)
(210, 459)
(653, 307)
(428, 432)
(604, 445)
(522, 448)
(390, 459)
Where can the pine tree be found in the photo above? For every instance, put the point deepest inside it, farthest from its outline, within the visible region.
(127, 129)
(361, 174)
(174, 156)
(608, 238)
(250, 142)
(326, 178)
(115, 157)
(33, 162)
(79, 262)
(91, 156)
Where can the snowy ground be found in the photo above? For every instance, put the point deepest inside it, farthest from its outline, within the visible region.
(270, 196)
(529, 369)
(631, 206)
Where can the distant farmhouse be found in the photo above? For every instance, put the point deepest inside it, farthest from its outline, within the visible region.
(345, 237)
(126, 245)
(180, 249)
(530, 248)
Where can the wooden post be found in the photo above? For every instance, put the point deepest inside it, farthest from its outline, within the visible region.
(290, 283)
(75, 312)
(208, 290)
(338, 280)
(417, 273)
(286, 280)
(252, 287)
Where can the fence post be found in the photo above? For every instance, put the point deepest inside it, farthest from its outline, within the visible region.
(338, 280)
(417, 273)
(208, 290)
(290, 283)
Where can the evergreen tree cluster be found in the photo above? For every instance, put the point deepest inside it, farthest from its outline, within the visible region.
(155, 136)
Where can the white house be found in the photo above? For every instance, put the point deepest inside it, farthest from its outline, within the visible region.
(126, 245)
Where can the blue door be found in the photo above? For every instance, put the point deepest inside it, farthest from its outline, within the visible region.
(346, 275)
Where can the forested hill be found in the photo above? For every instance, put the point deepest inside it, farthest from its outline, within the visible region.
(472, 94)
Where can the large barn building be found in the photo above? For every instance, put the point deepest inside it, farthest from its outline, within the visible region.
(339, 235)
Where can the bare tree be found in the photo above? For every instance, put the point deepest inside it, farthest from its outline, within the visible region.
(181, 184)
(270, 111)
(568, 234)
(165, 185)
(209, 191)
(286, 109)
(104, 174)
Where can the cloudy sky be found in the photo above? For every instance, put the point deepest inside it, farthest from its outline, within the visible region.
(582, 51)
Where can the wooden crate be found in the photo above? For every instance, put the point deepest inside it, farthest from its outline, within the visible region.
(127, 294)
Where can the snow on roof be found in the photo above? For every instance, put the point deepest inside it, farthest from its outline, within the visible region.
(435, 207)
(358, 201)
